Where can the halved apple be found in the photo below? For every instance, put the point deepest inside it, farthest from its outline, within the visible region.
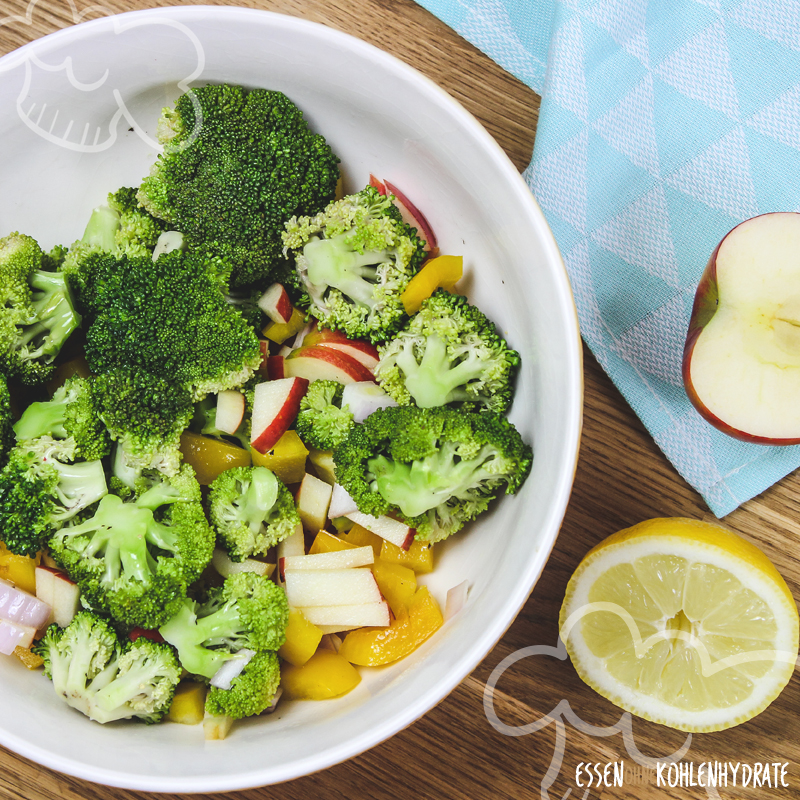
(741, 361)
(324, 363)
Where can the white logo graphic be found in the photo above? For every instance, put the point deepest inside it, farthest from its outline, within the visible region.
(72, 123)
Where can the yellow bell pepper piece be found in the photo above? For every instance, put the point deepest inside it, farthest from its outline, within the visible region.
(361, 537)
(325, 675)
(325, 542)
(287, 459)
(418, 557)
(279, 332)
(397, 584)
(440, 272)
(188, 704)
(28, 658)
(210, 457)
(372, 647)
(302, 639)
(20, 570)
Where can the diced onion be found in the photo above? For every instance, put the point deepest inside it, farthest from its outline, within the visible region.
(231, 669)
(22, 608)
(456, 598)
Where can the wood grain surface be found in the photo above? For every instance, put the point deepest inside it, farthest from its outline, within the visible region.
(453, 753)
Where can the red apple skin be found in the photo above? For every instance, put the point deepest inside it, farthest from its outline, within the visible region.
(425, 229)
(275, 303)
(706, 302)
(275, 369)
(266, 439)
(376, 184)
(262, 370)
(363, 352)
(346, 364)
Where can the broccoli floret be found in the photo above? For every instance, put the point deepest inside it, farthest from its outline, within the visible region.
(145, 415)
(251, 510)
(434, 468)
(39, 493)
(170, 318)
(236, 165)
(449, 354)
(246, 612)
(354, 259)
(136, 559)
(6, 421)
(251, 692)
(322, 422)
(71, 416)
(104, 678)
(37, 314)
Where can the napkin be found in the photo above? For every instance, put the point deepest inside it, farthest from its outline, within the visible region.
(663, 124)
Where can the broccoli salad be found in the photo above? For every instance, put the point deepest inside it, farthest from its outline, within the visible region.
(235, 418)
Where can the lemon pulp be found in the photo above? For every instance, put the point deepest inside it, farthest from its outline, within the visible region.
(681, 622)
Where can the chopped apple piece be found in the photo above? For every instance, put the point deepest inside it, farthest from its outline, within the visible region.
(324, 363)
(313, 499)
(294, 545)
(275, 370)
(363, 352)
(413, 217)
(341, 503)
(275, 408)
(322, 461)
(275, 303)
(230, 411)
(225, 567)
(338, 587)
(346, 558)
(398, 533)
(279, 332)
(216, 728)
(340, 618)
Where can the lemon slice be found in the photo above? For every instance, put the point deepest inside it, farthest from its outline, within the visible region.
(681, 622)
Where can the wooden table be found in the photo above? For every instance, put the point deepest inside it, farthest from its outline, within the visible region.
(622, 478)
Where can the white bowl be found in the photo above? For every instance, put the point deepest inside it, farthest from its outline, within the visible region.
(380, 116)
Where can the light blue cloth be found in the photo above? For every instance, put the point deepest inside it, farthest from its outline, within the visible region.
(663, 124)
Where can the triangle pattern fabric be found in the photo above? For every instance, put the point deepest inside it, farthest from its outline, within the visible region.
(629, 127)
(700, 69)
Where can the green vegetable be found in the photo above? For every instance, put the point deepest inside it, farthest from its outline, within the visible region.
(136, 559)
(436, 468)
(104, 678)
(72, 416)
(251, 692)
(449, 354)
(37, 314)
(6, 421)
(322, 422)
(251, 510)
(145, 415)
(236, 165)
(39, 493)
(355, 259)
(246, 612)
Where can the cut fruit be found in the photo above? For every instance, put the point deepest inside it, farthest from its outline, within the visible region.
(332, 619)
(346, 558)
(287, 459)
(398, 533)
(313, 498)
(331, 587)
(230, 411)
(741, 362)
(275, 303)
(279, 332)
(363, 352)
(681, 622)
(275, 407)
(316, 363)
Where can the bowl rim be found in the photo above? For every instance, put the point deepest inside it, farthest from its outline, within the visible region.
(551, 522)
